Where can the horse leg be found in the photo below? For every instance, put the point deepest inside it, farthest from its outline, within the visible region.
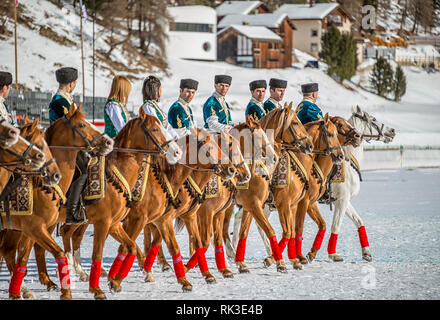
(66, 232)
(166, 230)
(39, 233)
(9, 241)
(100, 232)
(287, 224)
(190, 220)
(161, 260)
(218, 221)
(153, 250)
(40, 258)
(119, 234)
(353, 215)
(246, 219)
(340, 209)
(302, 208)
(24, 251)
(269, 260)
(77, 237)
(230, 250)
(238, 220)
(316, 216)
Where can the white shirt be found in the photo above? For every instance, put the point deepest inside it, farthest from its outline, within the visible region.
(115, 113)
(151, 111)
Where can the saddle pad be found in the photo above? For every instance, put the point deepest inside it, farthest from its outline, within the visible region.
(339, 174)
(213, 187)
(140, 185)
(281, 174)
(20, 199)
(95, 186)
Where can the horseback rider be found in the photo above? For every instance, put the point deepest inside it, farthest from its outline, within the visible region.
(277, 90)
(58, 108)
(180, 115)
(151, 92)
(308, 110)
(62, 100)
(216, 111)
(116, 114)
(5, 88)
(255, 107)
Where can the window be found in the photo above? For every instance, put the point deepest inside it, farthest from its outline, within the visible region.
(192, 27)
(314, 47)
(314, 33)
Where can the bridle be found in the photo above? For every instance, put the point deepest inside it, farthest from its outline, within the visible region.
(371, 124)
(328, 149)
(296, 141)
(349, 135)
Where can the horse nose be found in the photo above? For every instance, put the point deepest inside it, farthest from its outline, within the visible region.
(357, 135)
(13, 133)
(231, 171)
(341, 157)
(40, 156)
(57, 177)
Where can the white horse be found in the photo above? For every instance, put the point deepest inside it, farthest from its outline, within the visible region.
(343, 192)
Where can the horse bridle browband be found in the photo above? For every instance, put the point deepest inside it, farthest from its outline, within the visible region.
(371, 136)
(328, 150)
(296, 142)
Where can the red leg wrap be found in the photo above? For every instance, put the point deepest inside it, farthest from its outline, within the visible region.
(151, 257)
(17, 279)
(220, 258)
(117, 263)
(203, 265)
(63, 271)
(241, 249)
(318, 239)
(95, 273)
(126, 265)
(332, 243)
(276, 252)
(178, 266)
(363, 237)
(291, 248)
(283, 243)
(193, 261)
(298, 243)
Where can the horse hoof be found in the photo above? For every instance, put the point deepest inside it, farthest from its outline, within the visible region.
(227, 273)
(268, 262)
(149, 277)
(103, 273)
(166, 267)
(282, 269)
(367, 257)
(14, 296)
(210, 280)
(114, 285)
(187, 288)
(98, 294)
(66, 294)
(83, 277)
(52, 287)
(301, 259)
(310, 257)
(28, 295)
(335, 257)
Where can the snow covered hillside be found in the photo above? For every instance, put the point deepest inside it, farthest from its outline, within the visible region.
(416, 119)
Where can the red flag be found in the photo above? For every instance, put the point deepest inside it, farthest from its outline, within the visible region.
(16, 3)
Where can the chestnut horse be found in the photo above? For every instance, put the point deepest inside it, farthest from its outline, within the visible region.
(48, 202)
(246, 134)
(162, 203)
(8, 134)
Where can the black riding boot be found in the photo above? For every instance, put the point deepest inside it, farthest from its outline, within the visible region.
(75, 212)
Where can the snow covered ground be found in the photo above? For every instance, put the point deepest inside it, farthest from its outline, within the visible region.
(400, 211)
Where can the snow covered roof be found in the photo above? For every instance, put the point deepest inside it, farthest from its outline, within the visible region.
(237, 7)
(195, 14)
(254, 32)
(305, 11)
(270, 20)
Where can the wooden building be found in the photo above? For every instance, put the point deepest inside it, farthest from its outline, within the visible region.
(257, 41)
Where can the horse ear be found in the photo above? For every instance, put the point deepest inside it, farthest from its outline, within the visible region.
(79, 107)
(358, 109)
(142, 113)
(34, 124)
(326, 117)
(289, 107)
(26, 120)
(72, 111)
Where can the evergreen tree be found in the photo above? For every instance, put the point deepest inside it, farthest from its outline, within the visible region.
(399, 86)
(381, 78)
(347, 60)
(331, 50)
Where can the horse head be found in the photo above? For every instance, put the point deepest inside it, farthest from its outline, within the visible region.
(49, 171)
(8, 134)
(202, 151)
(347, 134)
(370, 128)
(287, 128)
(231, 146)
(73, 130)
(325, 138)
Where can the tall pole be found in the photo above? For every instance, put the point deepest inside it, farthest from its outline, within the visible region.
(82, 54)
(93, 103)
(15, 37)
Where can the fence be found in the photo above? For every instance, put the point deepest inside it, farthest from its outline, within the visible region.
(36, 104)
(385, 157)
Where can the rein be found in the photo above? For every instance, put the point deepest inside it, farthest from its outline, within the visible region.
(377, 136)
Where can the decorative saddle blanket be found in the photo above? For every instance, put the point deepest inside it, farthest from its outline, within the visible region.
(140, 185)
(338, 175)
(95, 186)
(213, 187)
(288, 163)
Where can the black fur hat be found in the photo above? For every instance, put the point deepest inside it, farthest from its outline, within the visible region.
(309, 87)
(222, 78)
(5, 78)
(66, 75)
(277, 83)
(257, 84)
(189, 83)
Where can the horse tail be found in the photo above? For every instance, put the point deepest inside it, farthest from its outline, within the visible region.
(178, 225)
